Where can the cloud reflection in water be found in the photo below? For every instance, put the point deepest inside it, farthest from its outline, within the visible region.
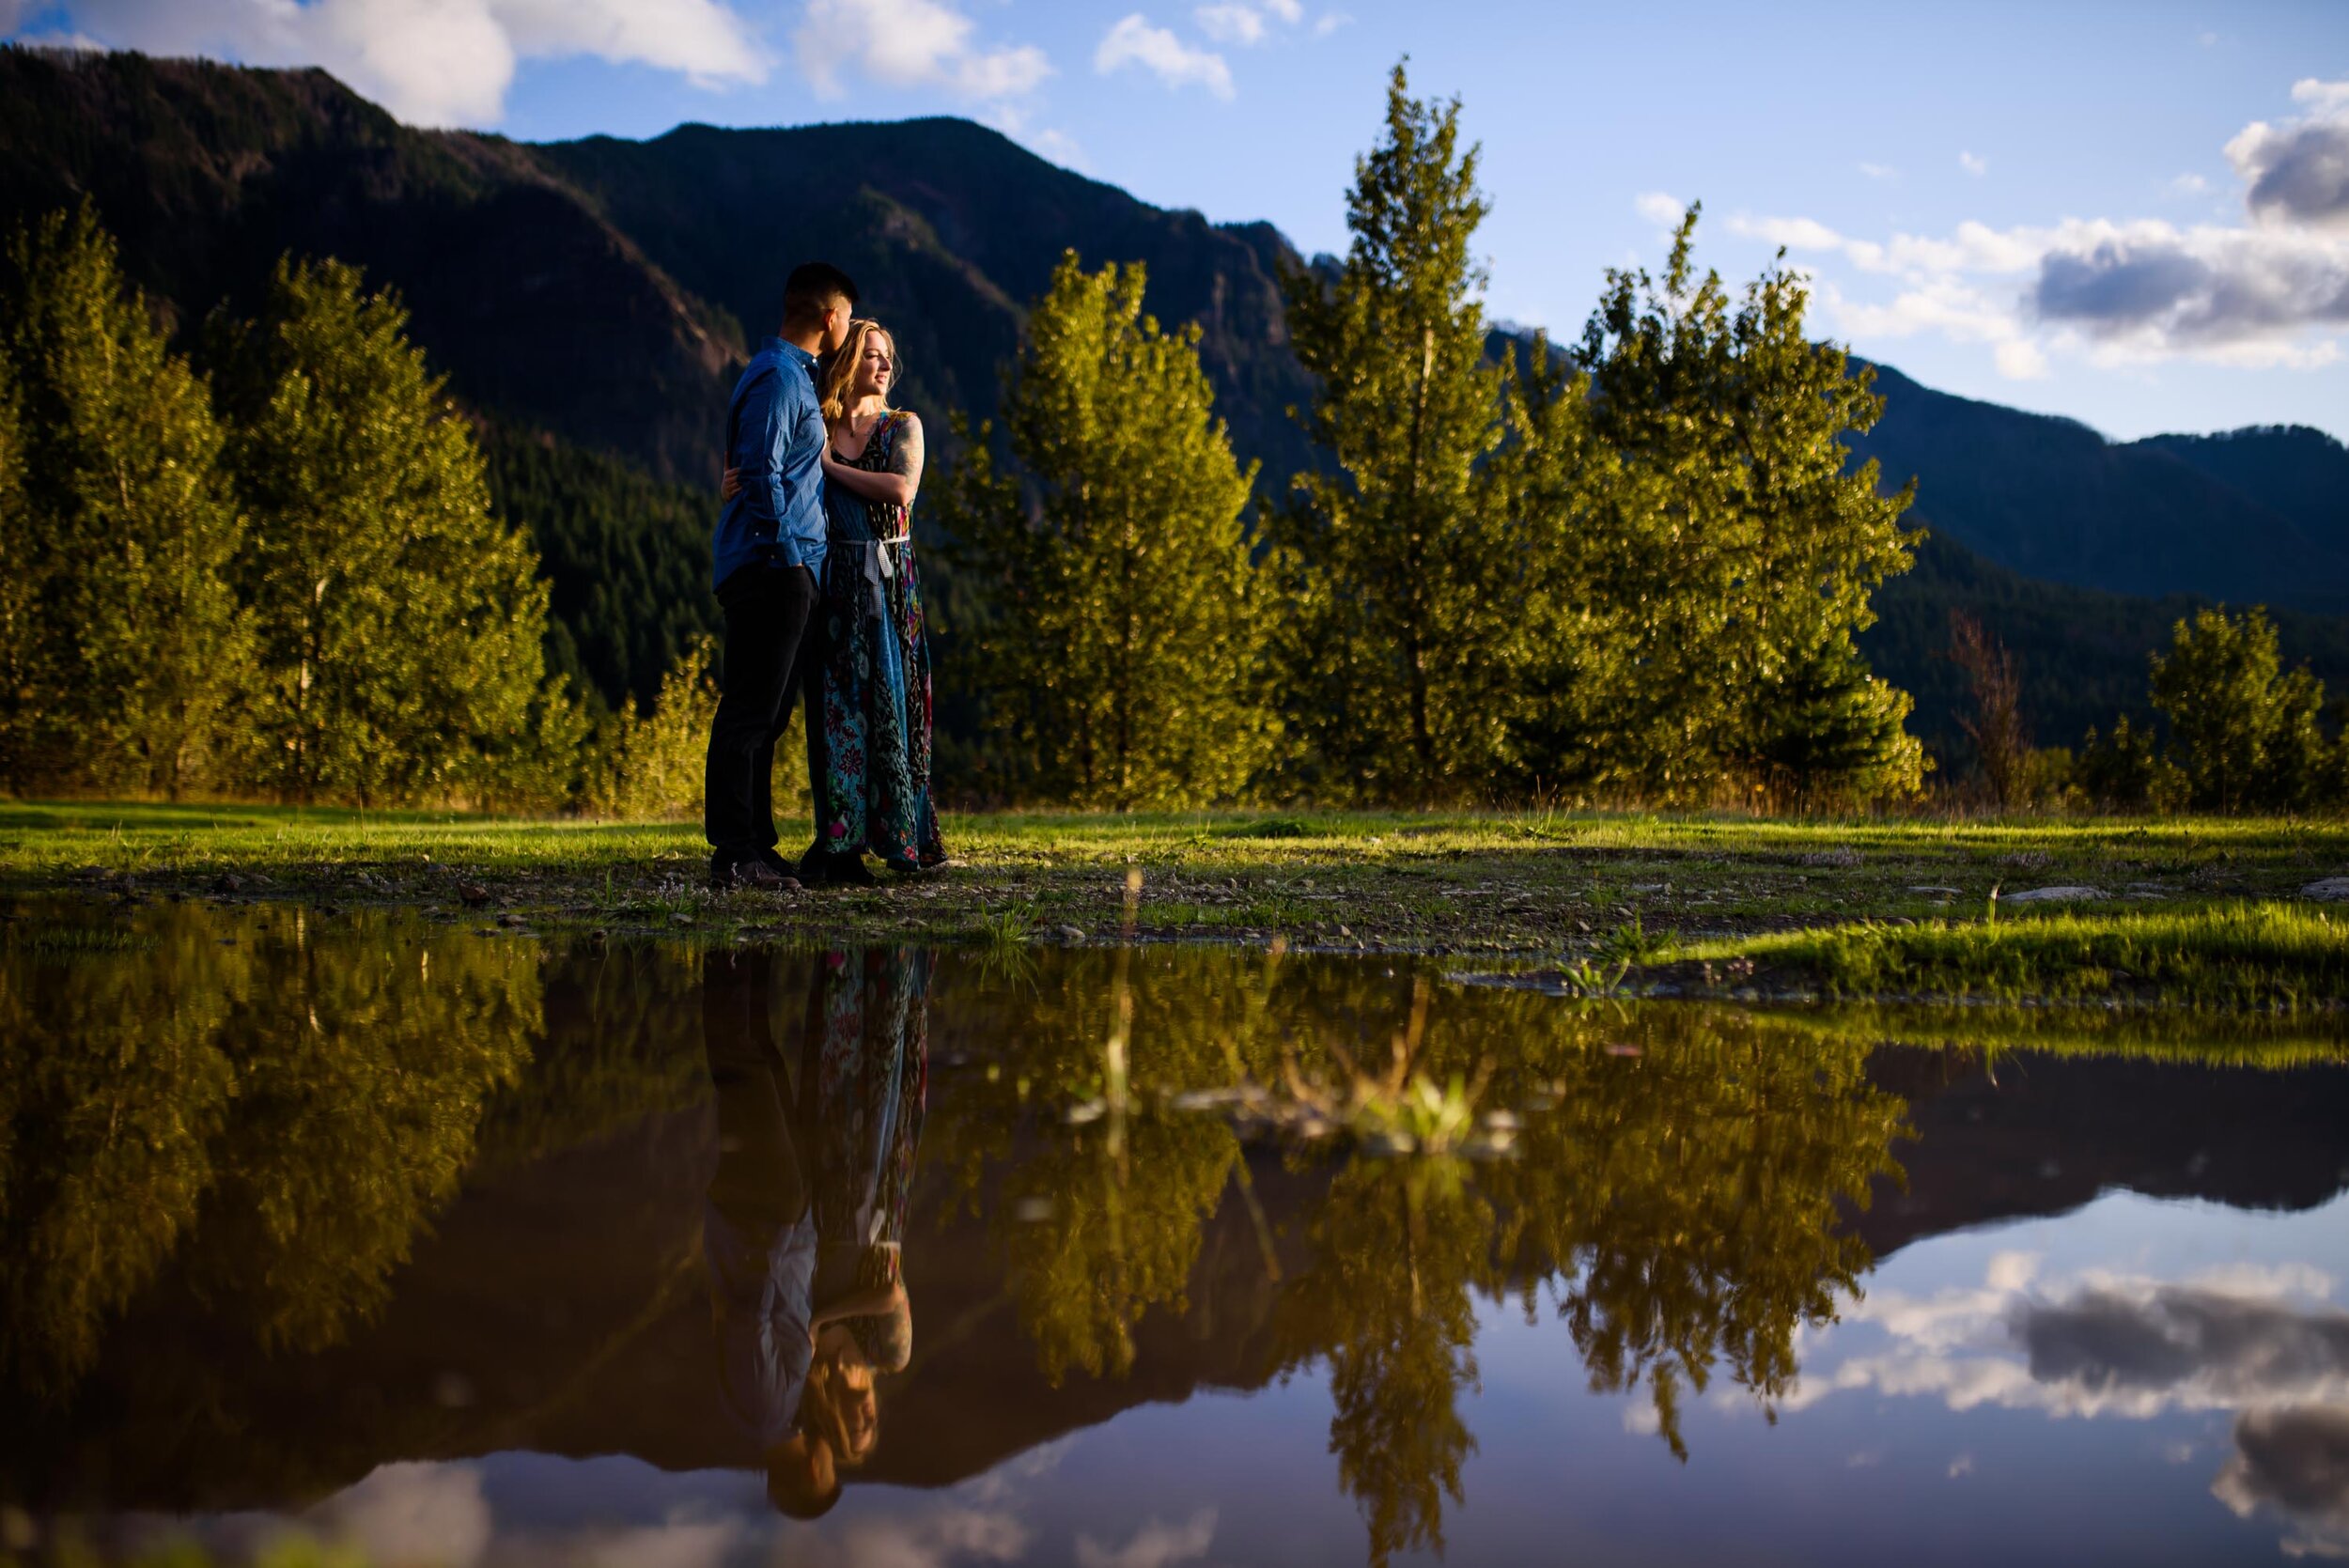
(2266, 1342)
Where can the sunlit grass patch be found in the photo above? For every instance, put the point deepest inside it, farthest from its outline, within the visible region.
(2235, 954)
(1559, 885)
(2230, 1037)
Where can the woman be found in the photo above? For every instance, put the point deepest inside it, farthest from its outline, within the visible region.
(865, 1084)
(870, 768)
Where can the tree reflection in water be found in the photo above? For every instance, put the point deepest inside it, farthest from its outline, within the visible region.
(269, 1126)
(303, 1107)
(1673, 1197)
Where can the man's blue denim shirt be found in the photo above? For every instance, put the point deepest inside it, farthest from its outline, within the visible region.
(776, 436)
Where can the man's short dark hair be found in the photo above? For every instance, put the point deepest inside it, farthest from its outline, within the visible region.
(811, 287)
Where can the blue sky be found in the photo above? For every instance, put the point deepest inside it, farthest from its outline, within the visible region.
(2134, 214)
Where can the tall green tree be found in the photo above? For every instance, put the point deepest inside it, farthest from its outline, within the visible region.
(402, 625)
(2244, 731)
(1706, 601)
(138, 645)
(1398, 629)
(1123, 645)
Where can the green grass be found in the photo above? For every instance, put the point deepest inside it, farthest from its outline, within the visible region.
(2217, 1038)
(2265, 955)
(1490, 885)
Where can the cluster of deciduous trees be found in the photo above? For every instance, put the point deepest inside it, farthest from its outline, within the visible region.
(2243, 730)
(276, 572)
(1633, 568)
(2243, 733)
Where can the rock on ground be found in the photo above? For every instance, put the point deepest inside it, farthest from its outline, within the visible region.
(2332, 889)
(2053, 895)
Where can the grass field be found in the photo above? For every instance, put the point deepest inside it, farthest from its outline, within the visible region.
(1620, 886)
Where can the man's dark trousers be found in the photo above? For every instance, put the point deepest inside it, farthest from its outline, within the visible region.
(774, 646)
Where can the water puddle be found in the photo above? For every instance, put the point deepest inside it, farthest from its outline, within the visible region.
(463, 1248)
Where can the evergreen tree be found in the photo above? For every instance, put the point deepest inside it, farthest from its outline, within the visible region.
(2245, 733)
(400, 624)
(1721, 573)
(1399, 630)
(21, 694)
(626, 558)
(138, 645)
(1122, 645)
(2118, 772)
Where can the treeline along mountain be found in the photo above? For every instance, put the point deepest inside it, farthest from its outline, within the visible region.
(590, 299)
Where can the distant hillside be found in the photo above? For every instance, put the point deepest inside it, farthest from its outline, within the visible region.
(602, 289)
(2082, 652)
(535, 305)
(2052, 499)
(2300, 475)
(949, 229)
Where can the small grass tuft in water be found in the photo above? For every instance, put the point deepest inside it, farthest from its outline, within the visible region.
(1629, 943)
(1003, 930)
(81, 942)
(2252, 954)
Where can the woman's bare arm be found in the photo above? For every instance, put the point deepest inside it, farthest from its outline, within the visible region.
(898, 484)
(868, 1302)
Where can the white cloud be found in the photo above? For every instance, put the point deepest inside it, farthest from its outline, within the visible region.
(2293, 1462)
(1973, 165)
(1879, 171)
(2019, 359)
(700, 40)
(413, 1512)
(1057, 146)
(1249, 23)
(911, 43)
(2299, 171)
(2324, 98)
(1231, 23)
(2103, 1345)
(1329, 22)
(1156, 1544)
(439, 62)
(1134, 41)
(1795, 234)
(2270, 292)
(1660, 209)
(943, 1536)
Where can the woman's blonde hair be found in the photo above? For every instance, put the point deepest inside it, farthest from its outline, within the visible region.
(832, 1388)
(841, 373)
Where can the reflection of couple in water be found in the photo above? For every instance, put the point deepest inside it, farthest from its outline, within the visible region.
(815, 1149)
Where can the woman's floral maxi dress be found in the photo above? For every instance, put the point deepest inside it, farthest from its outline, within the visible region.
(866, 1083)
(875, 791)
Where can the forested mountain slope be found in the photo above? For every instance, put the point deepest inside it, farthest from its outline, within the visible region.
(2052, 499)
(536, 306)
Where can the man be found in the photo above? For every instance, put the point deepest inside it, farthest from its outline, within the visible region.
(759, 1240)
(768, 560)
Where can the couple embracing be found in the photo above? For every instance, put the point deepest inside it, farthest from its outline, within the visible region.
(813, 564)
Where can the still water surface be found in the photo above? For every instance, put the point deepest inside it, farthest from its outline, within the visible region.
(463, 1248)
